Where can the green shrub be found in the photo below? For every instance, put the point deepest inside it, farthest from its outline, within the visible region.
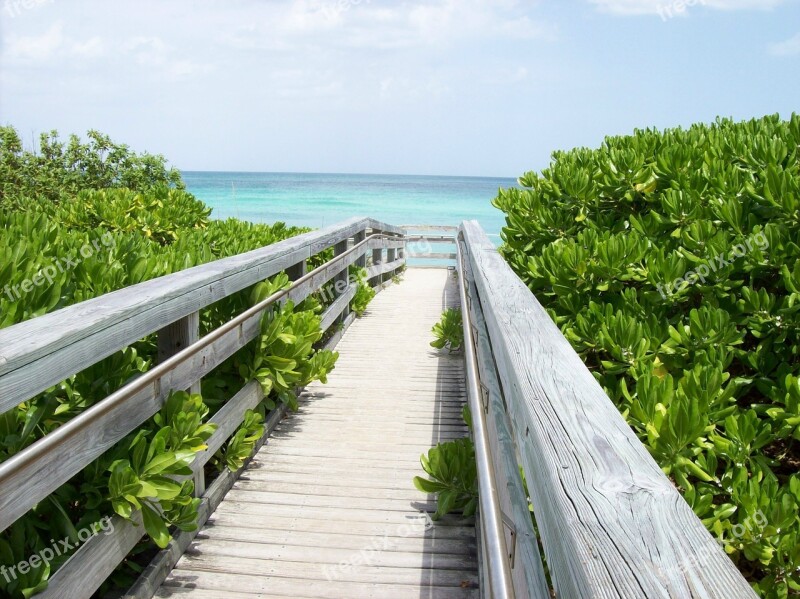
(285, 358)
(670, 261)
(145, 479)
(362, 298)
(59, 170)
(449, 331)
(453, 477)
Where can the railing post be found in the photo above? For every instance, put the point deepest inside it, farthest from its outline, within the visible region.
(297, 270)
(177, 336)
(358, 238)
(377, 259)
(391, 256)
(172, 339)
(341, 281)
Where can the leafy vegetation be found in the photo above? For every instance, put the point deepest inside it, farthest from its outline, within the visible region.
(670, 261)
(453, 477)
(450, 466)
(362, 298)
(83, 219)
(449, 331)
(60, 170)
(285, 358)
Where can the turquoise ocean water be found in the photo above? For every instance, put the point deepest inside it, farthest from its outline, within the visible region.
(318, 200)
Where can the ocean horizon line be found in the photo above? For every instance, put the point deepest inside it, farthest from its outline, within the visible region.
(351, 174)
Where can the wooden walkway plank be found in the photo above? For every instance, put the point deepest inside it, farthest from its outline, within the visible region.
(327, 508)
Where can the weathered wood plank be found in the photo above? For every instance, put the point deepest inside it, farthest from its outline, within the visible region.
(258, 585)
(450, 228)
(612, 524)
(245, 494)
(340, 281)
(436, 256)
(172, 339)
(228, 420)
(443, 239)
(383, 267)
(324, 554)
(338, 540)
(224, 519)
(307, 570)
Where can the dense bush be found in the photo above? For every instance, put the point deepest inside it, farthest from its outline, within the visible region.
(670, 261)
(61, 170)
(81, 221)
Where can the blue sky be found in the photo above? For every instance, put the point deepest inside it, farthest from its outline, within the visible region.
(460, 87)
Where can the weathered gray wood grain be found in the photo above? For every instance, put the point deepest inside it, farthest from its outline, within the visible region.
(612, 523)
(375, 271)
(436, 256)
(450, 228)
(172, 339)
(337, 308)
(228, 419)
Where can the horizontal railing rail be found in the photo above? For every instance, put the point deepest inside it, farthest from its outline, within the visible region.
(29, 476)
(431, 245)
(611, 522)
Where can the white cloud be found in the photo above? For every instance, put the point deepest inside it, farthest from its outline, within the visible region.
(35, 48)
(419, 88)
(790, 47)
(50, 47)
(91, 48)
(53, 47)
(366, 24)
(679, 7)
(153, 53)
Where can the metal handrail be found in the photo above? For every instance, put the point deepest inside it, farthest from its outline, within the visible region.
(489, 501)
(434, 238)
(41, 447)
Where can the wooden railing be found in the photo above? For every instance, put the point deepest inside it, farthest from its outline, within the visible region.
(430, 245)
(611, 523)
(41, 352)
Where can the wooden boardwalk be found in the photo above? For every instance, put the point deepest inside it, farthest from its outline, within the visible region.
(327, 508)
